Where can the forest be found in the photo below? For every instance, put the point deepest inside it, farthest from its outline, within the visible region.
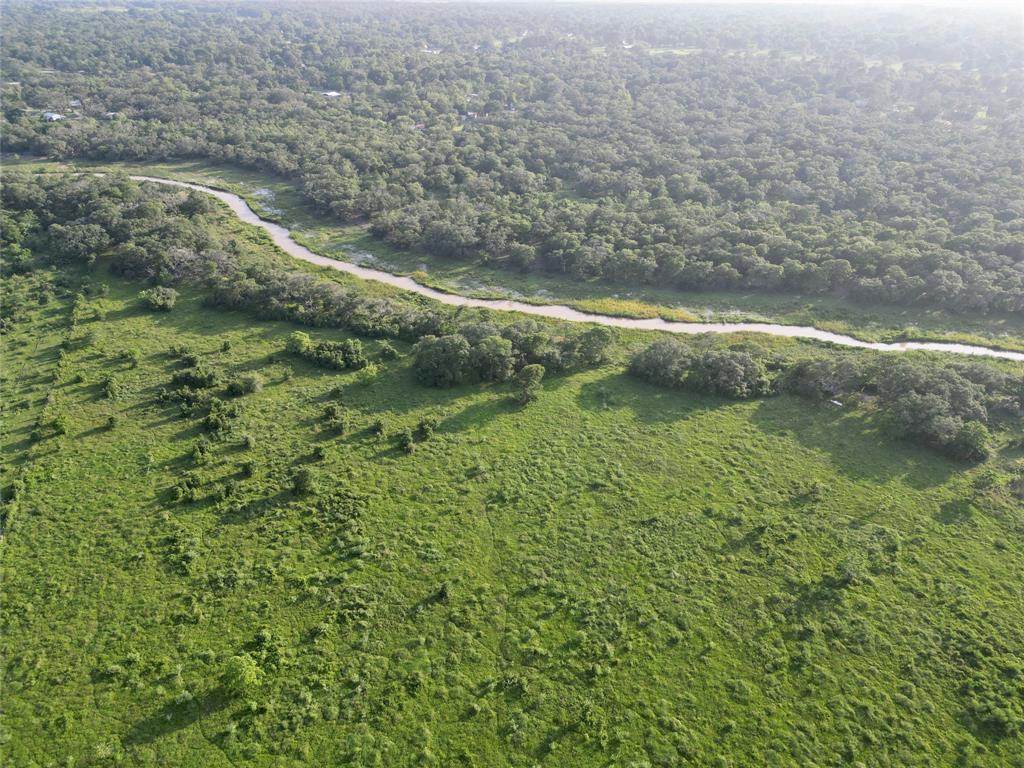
(869, 156)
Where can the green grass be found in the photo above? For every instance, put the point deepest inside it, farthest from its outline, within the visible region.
(886, 323)
(614, 575)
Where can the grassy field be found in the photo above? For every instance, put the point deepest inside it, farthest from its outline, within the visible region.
(613, 575)
(277, 199)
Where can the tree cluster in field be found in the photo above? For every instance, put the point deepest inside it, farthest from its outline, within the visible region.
(488, 352)
(845, 153)
(337, 355)
(945, 406)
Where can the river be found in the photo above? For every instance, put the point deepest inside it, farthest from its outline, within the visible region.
(283, 239)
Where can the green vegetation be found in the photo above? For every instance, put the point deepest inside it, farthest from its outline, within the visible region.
(216, 551)
(159, 298)
(255, 512)
(826, 158)
(528, 586)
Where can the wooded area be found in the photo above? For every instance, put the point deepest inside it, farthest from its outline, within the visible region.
(871, 155)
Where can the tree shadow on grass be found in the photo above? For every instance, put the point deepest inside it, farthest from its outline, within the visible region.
(650, 404)
(173, 716)
(854, 442)
(955, 512)
(241, 514)
(480, 414)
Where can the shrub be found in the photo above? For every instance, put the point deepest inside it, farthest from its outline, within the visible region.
(241, 675)
(339, 355)
(160, 298)
(427, 426)
(972, 442)
(112, 388)
(130, 356)
(304, 482)
(246, 384)
(200, 376)
(299, 343)
(387, 351)
(405, 441)
(671, 363)
(216, 420)
(592, 345)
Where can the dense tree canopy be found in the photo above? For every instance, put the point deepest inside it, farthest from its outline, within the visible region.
(874, 155)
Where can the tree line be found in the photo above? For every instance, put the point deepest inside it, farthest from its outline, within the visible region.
(946, 406)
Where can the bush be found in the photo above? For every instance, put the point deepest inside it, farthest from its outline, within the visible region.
(160, 298)
(671, 363)
(199, 377)
(387, 351)
(592, 346)
(304, 482)
(299, 343)
(339, 355)
(246, 384)
(241, 675)
(427, 426)
(112, 388)
(973, 442)
(61, 425)
(406, 441)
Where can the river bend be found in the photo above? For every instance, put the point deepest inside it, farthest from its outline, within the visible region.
(283, 239)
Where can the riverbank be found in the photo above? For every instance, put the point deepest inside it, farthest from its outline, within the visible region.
(282, 238)
(277, 202)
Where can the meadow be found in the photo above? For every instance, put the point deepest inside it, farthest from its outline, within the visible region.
(615, 574)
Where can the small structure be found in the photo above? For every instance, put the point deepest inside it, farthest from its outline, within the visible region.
(626, 45)
(836, 403)
(52, 117)
(110, 115)
(75, 103)
(331, 94)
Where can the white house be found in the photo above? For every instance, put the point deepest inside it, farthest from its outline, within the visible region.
(52, 117)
